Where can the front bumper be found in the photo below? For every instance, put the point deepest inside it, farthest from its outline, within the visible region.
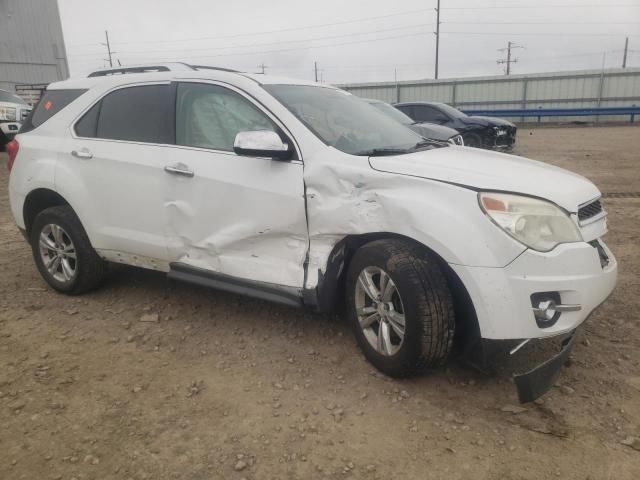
(505, 141)
(537, 381)
(502, 296)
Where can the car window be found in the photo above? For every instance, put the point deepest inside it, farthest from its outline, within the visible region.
(406, 109)
(136, 114)
(342, 120)
(393, 113)
(210, 116)
(423, 113)
(51, 103)
(88, 124)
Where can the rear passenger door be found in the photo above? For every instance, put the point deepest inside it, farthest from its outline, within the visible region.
(116, 155)
(241, 216)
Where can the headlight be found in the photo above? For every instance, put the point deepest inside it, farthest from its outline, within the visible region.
(538, 224)
(8, 114)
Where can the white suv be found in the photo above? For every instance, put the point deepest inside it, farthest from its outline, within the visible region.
(304, 194)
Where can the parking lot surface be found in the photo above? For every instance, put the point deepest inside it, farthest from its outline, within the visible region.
(147, 378)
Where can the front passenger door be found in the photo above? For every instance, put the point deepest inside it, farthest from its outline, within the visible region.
(237, 215)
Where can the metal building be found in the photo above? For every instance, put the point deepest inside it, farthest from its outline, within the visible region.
(617, 87)
(32, 47)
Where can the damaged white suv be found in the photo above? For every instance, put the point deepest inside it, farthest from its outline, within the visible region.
(304, 194)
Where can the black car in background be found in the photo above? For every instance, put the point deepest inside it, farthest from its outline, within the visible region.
(427, 130)
(483, 132)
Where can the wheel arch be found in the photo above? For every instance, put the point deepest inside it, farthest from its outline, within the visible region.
(38, 200)
(328, 296)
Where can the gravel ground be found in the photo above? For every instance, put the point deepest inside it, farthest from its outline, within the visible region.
(147, 378)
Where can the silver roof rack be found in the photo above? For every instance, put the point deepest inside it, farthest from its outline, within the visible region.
(155, 67)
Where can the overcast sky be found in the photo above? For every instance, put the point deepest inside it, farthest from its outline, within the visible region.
(354, 40)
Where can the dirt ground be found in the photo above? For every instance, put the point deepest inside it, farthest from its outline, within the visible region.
(222, 386)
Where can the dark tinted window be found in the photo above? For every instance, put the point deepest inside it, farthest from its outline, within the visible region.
(406, 109)
(51, 103)
(422, 113)
(88, 124)
(138, 114)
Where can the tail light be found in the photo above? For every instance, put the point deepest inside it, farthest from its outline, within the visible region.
(12, 151)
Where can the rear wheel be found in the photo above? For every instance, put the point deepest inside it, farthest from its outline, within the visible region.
(62, 252)
(400, 307)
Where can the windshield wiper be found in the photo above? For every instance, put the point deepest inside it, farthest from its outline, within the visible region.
(381, 152)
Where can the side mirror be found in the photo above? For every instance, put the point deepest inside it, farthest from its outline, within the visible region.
(261, 143)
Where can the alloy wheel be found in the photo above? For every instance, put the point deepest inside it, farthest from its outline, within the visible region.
(379, 310)
(58, 253)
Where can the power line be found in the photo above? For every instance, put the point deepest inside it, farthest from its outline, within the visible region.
(219, 37)
(305, 47)
(263, 44)
(541, 34)
(604, 24)
(552, 5)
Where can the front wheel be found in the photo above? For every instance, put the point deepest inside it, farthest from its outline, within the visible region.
(472, 140)
(63, 253)
(400, 307)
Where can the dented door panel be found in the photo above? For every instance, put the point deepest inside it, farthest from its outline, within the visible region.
(241, 216)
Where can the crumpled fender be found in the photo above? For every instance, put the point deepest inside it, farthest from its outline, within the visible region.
(345, 196)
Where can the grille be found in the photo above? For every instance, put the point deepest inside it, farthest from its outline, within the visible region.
(23, 114)
(590, 210)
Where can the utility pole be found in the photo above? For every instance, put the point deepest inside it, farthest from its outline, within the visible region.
(315, 70)
(262, 67)
(626, 49)
(509, 60)
(108, 45)
(437, 32)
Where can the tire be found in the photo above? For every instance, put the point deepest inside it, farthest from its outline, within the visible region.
(472, 140)
(61, 223)
(424, 299)
(3, 141)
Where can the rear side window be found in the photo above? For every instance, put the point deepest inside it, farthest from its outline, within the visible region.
(51, 103)
(135, 114)
(88, 124)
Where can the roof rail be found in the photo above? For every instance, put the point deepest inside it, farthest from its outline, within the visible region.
(157, 67)
(208, 67)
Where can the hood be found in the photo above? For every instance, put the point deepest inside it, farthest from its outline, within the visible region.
(487, 170)
(431, 130)
(480, 120)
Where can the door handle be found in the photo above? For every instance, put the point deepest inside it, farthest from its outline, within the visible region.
(179, 169)
(84, 153)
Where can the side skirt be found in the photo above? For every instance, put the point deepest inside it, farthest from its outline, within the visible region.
(264, 291)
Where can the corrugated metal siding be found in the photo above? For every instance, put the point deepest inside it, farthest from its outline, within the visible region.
(590, 88)
(31, 43)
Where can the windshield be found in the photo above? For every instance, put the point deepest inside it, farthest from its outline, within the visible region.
(393, 113)
(345, 121)
(11, 98)
(452, 112)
